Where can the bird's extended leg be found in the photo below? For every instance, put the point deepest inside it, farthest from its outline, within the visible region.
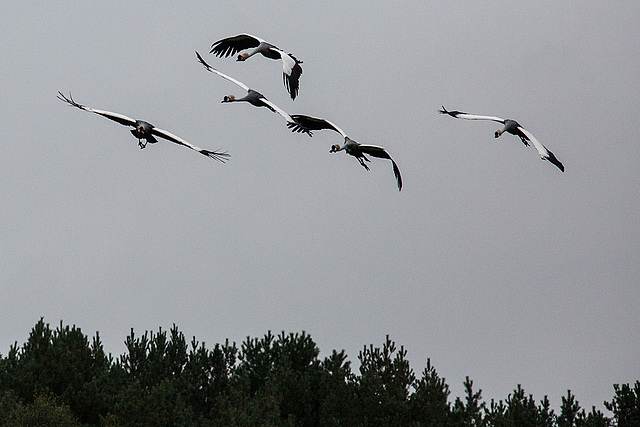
(142, 144)
(361, 160)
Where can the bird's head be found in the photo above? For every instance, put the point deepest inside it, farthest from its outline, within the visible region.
(229, 98)
(242, 56)
(334, 148)
(498, 133)
(139, 130)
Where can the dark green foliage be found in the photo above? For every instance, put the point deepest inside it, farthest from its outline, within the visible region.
(521, 410)
(568, 411)
(546, 416)
(61, 363)
(469, 412)
(60, 378)
(430, 401)
(44, 411)
(571, 415)
(338, 387)
(384, 385)
(279, 380)
(593, 419)
(626, 404)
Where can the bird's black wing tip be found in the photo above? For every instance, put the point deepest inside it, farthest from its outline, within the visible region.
(219, 52)
(396, 172)
(292, 85)
(298, 127)
(200, 59)
(69, 100)
(203, 62)
(223, 48)
(61, 97)
(454, 114)
(556, 162)
(221, 156)
(450, 113)
(553, 159)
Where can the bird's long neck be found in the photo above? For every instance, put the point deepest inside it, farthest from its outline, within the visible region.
(246, 55)
(335, 148)
(347, 141)
(232, 98)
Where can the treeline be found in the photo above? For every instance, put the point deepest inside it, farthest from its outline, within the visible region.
(60, 378)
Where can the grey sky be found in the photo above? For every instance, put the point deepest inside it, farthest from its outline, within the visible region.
(491, 262)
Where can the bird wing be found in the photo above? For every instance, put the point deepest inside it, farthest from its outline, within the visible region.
(542, 150)
(396, 173)
(232, 45)
(291, 71)
(314, 123)
(120, 118)
(220, 156)
(273, 107)
(224, 76)
(376, 151)
(467, 116)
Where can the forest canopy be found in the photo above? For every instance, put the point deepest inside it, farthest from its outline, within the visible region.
(60, 377)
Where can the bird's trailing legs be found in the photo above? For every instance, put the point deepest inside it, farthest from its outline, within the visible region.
(146, 141)
(362, 160)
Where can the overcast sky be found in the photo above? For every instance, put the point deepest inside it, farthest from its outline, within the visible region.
(491, 262)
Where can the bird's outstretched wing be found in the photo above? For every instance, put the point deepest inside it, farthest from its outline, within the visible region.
(217, 155)
(376, 151)
(291, 72)
(224, 76)
(467, 116)
(232, 45)
(313, 123)
(120, 118)
(220, 156)
(542, 150)
(273, 107)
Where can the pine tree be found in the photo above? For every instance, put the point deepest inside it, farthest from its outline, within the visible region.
(384, 385)
(469, 412)
(569, 410)
(625, 405)
(429, 403)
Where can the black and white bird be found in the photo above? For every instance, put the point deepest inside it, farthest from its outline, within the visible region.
(254, 98)
(350, 146)
(291, 69)
(512, 127)
(145, 130)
